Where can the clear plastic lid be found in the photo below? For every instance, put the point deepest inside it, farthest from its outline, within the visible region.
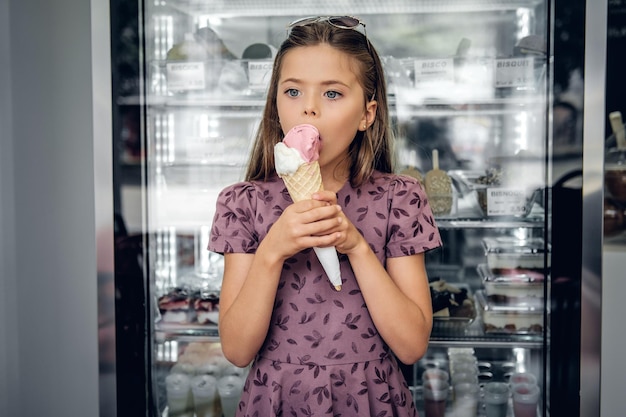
(524, 306)
(519, 277)
(615, 159)
(513, 245)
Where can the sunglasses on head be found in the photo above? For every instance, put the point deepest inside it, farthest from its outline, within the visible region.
(341, 22)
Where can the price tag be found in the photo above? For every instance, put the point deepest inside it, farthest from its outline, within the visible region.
(437, 71)
(182, 76)
(514, 72)
(259, 74)
(506, 202)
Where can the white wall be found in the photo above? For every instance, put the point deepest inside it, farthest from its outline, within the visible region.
(8, 327)
(48, 300)
(613, 331)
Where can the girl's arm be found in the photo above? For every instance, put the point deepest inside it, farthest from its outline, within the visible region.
(398, 297)
(246, 302)
(398, 300)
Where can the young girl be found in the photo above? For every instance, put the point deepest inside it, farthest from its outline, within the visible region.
(318, 351)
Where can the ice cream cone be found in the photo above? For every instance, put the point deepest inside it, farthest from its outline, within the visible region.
(297, 165)
(304, 182)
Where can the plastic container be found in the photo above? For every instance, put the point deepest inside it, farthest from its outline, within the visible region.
(522, 378)
(496, 397)
(492, 197)
(435, 397)
(525, 400)
(511, 318)
(509, 255)
(459, 311)
(230, 388)
(504, 287)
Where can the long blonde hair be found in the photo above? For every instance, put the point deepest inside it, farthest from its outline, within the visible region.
(370, 150)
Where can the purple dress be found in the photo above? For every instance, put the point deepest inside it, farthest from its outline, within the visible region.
(323, 355)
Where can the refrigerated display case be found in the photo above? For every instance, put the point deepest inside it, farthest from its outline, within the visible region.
(472, 82)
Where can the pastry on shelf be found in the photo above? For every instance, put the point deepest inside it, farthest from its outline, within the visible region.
(207, 307)
(438, 187)
(450, 300)
(175, 306)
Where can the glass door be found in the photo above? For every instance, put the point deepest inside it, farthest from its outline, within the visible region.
(468, 84)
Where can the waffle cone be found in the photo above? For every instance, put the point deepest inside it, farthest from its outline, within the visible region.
(304, 182)
(301, 185)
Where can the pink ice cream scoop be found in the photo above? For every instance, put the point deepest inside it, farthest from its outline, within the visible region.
(306, 139)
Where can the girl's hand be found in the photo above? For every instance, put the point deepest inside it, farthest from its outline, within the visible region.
(346, 238)
(305, 224)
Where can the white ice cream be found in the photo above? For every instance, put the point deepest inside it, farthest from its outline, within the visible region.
(286, 159)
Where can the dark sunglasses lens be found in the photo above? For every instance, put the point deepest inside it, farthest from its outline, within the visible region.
(344, 21)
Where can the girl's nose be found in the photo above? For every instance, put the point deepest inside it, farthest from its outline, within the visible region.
(311, 108)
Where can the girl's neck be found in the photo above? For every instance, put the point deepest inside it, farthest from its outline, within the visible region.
(334, 177)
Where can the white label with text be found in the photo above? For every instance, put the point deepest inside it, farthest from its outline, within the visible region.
(506, 202)
(434, 71)
(259, 74)
(185, 76)
(514, 72)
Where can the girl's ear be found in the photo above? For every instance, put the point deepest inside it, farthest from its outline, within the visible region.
(370, 114)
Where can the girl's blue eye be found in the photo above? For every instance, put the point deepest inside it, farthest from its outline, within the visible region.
(292, 92)
(332, 94)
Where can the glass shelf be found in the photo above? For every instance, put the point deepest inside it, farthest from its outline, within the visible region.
(181, 332)
(227, 8)
(253, 104)
(474, 337)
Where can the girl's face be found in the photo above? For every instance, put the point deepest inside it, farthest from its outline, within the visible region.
(318, 85)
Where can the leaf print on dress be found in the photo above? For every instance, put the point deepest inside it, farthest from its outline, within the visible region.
(281, 322)
(298, 283)
(363, 390)
(399, 400)
(351, 402)
(350, 321)
(381, 376)
(416, 200)
(338, 379)
(277, 211)
(321, 393)
(362, 214)
(257, 399)
(316, 338)
(333, 355)
(378, 194)
(260, 379)
(371, 332)
(295, 388)
(265, 196)
(272, 345)
(399, 213)
(318, 299)
(307, 318)
(410, 250)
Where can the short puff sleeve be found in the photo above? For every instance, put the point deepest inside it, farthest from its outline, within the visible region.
(233, 228)
(412, 228)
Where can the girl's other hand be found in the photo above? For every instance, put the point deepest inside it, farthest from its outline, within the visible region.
(346, 238)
